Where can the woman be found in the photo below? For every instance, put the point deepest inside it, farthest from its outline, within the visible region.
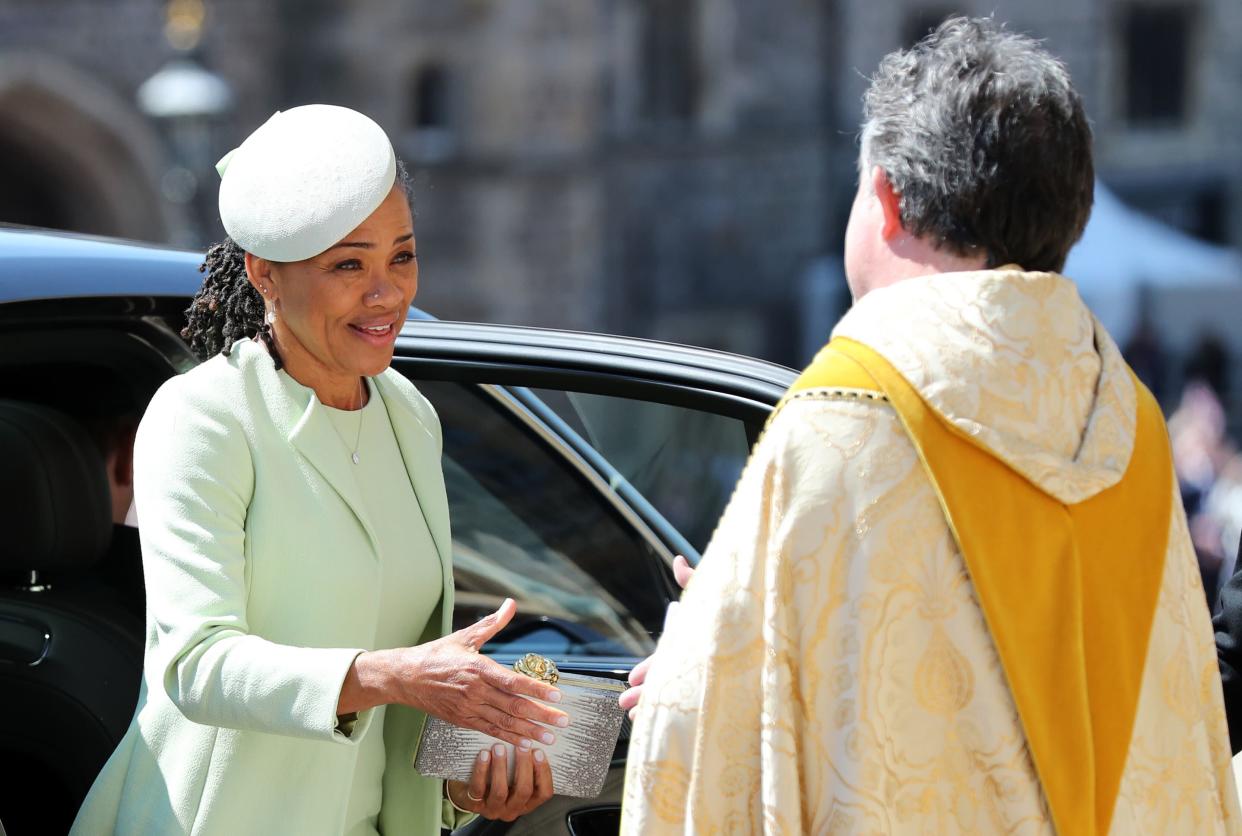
(295, 532)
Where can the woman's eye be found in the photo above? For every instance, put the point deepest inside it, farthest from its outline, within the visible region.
(405, 257)
(349, 264)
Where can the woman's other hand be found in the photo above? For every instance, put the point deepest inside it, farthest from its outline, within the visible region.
(682, 571)
(448, 678)
(494, 794)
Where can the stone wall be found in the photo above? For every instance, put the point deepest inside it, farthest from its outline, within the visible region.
(668, 168)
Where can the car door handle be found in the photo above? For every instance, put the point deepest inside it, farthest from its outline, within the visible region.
(604, 820)
(22, 642)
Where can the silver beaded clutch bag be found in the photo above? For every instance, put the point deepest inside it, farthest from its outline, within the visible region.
(581, 755)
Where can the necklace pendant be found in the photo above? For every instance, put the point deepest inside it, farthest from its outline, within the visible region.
(355, 458)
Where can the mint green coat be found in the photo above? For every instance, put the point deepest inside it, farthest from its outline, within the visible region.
(261, 589)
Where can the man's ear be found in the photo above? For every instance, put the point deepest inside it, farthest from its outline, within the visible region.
(259, 271)
(890, 204)
(121, 461)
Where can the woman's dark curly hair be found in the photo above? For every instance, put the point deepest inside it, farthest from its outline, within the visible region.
(227, 307)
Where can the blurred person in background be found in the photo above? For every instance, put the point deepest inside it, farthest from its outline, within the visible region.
(1200, 452)
(954, 591)
(1144, 351)
(1208, 362)
(1224, 507)
(1208, 464)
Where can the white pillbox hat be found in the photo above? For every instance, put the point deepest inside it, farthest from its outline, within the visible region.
(304, 180)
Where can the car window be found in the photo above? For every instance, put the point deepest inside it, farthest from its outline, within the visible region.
(527, 523)
(684, 461)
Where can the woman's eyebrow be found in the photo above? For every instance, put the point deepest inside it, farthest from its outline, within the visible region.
(367, 245)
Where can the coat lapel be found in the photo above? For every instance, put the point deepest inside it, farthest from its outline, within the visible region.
(301, 419)
(314, 437)
(420, 450)
(299, 415)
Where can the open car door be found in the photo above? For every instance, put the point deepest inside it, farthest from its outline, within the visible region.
(577, 467)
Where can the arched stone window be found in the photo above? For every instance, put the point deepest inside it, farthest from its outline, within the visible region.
(75, 156)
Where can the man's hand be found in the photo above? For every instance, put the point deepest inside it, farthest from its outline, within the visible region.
(682, 571)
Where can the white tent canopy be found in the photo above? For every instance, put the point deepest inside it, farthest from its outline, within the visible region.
(1123, 250)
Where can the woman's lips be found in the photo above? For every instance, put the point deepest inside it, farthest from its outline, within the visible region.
(378, 335)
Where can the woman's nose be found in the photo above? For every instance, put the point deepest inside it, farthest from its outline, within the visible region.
(384, 290)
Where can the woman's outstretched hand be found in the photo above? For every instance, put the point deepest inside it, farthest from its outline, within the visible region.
(448, 678)
(682, 571)
(494, 794)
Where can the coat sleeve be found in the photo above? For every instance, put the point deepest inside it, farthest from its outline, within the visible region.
(194, 481)
(1228, 627)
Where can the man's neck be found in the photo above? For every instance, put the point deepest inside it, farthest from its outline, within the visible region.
(911, 258)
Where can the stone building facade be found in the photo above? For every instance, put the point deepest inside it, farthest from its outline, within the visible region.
(75, 150)
(667, 168)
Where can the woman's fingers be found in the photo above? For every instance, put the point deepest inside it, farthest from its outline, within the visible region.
(506, 727)
(682, 571)
(502, 715)
(515, 683)
(479, 633)
(476, 790)
(498, 788)
(543, 779)
(522, 785)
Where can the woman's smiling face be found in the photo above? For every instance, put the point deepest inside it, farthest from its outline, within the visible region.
(337, 314)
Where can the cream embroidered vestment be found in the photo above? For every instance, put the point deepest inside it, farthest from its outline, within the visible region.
(831, 669)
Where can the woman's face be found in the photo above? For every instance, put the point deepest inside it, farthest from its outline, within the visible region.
(338, 313)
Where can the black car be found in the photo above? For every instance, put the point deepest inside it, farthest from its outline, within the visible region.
(577, 466)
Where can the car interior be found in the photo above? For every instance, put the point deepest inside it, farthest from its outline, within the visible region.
(71, 611)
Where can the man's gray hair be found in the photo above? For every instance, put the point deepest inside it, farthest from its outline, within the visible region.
(984, 137)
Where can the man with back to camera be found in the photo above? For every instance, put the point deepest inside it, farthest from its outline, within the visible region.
(954, 590)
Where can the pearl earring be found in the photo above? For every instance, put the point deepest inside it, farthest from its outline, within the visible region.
(271, 315)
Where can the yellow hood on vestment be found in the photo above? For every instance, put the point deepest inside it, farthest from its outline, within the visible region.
(1016, 361)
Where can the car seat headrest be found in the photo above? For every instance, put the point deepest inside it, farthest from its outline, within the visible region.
(55, 504)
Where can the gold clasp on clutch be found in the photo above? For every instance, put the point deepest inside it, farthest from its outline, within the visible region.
(544, 669)
(538, 667)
